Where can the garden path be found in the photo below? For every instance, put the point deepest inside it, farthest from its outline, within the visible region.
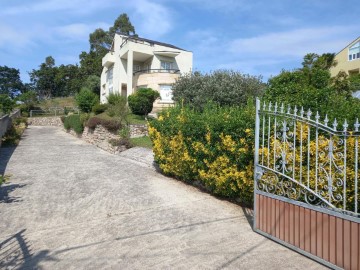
(70, 205)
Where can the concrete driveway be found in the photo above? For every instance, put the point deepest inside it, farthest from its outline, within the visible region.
(70, 205)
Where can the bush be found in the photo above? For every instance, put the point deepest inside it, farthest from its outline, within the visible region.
(118, 108)
(99, 108)
(111, 125)
(121, 142)
(74, 122)
(141, 102)
(213, 148)
(115, 98)
(312, 87)
(221, 87)
(6, 104)
(86, 99)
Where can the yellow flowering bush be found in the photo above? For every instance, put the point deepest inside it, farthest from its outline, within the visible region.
(313, 166)
(213, 147)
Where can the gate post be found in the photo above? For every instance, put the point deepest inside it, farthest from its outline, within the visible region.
(256, 155)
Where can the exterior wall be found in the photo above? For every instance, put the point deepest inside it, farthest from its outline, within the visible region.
(343, 63)
(154, 81)
(147, 55)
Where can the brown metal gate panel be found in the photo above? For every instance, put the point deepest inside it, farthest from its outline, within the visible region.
(328, 237)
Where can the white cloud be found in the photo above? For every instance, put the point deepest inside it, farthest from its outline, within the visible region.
(153, 20)
(79, 31)
(219, 5)
(76, 6)
(294, 43)
(12, 39)
(265, 54)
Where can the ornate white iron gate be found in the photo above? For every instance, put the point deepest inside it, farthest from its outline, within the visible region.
(306, 184)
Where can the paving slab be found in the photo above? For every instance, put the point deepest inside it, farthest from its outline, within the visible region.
(71, 205)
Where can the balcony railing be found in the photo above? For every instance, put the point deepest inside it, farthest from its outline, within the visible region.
(173, 71)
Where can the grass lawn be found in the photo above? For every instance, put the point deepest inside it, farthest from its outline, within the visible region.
(57, 102)
(142, 142)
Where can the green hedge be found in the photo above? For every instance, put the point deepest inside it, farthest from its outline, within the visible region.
(213, 148)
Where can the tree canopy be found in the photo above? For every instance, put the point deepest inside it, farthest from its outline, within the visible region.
(55, 81)
(10, 82)
(100, 43)
(313, 88)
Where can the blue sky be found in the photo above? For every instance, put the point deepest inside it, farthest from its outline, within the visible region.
(252, 36)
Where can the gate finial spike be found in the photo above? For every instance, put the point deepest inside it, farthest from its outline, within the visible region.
(295, 110)
(288, 109)
(317, 117)
(282, 108)
(270, 106)
(309, 113)
(345, 125)
(302, 112)
(335, 124)
(357, 125)
(264, 107)
(275, 107)
(326, 120)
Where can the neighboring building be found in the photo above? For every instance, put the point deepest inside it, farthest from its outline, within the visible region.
(135, 63)
(348, 59)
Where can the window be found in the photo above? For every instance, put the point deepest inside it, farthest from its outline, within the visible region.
(166, 65)
(136, 68)
(109, 79)
(166, 93)
(354, 51)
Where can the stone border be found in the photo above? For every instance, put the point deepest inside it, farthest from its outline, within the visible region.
(54, 121)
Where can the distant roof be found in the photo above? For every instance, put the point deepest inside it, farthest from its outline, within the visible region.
(154, 42)
(348, 45)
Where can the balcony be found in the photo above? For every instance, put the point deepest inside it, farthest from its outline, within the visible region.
(108, 60)
(147, 71)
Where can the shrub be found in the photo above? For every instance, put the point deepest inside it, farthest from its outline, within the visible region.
(86, 99)
(221, 87)
(74, 122)
(118, 108)
(6, 104)
(99, 108)
(121, 142)
(111, 125)
(213, 148)
(313, 88)
(141, 102)
(115, 98)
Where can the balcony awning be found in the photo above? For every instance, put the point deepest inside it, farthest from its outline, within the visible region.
(167, 53)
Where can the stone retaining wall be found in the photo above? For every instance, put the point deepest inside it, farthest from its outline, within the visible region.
(5, 122)
(138, 131)
(45, 121)
(100, 137)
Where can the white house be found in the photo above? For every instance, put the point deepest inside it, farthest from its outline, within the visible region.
(134, 63)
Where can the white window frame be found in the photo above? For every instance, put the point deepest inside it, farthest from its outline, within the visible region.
(354, 52)
(166, 65)
(166, 95)
(110, 79)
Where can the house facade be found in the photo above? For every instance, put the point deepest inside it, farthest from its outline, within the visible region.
(348, 59)
(134, 63)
